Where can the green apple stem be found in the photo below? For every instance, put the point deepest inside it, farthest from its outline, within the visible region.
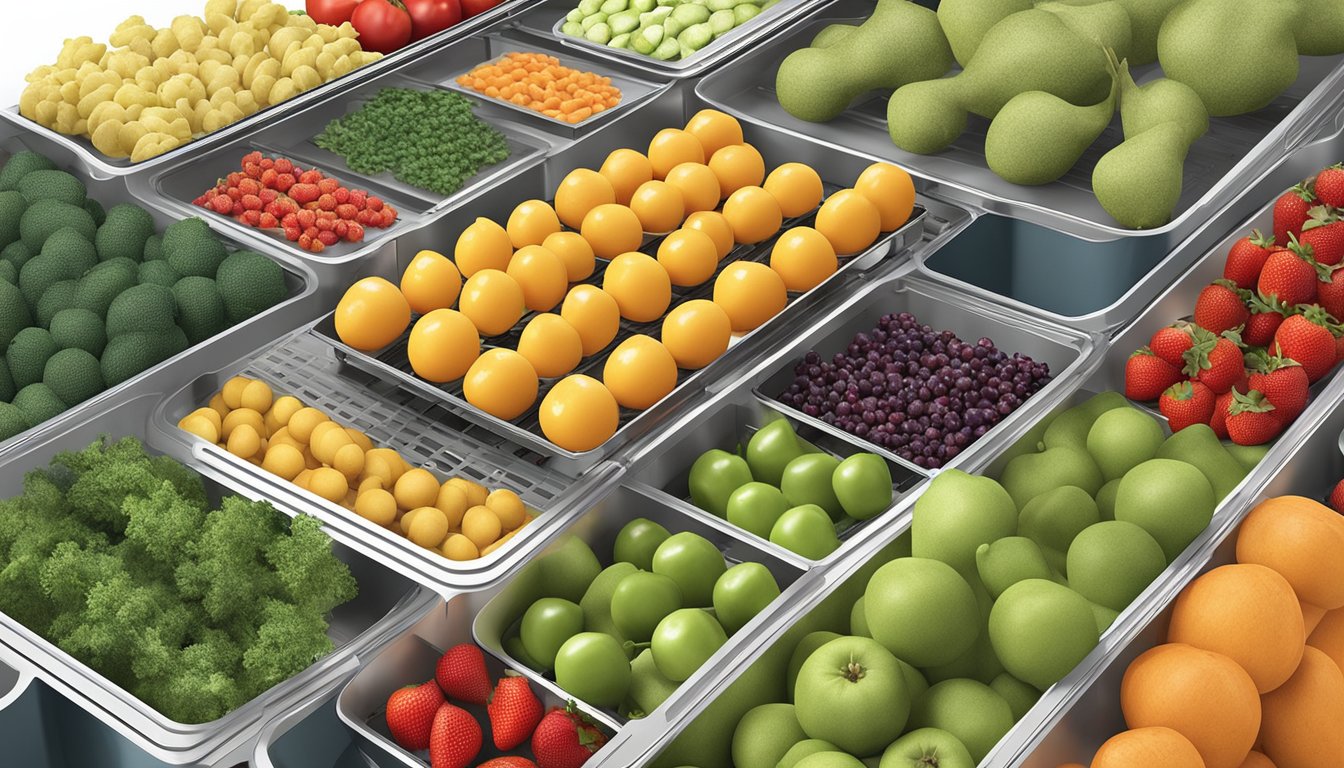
(853, 671)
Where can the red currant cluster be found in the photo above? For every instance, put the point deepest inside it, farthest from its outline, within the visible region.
(313, 210)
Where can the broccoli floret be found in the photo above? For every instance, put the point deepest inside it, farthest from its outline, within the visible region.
(250, 284)
(20, 165)
(230, 575)
(74, 375)
(124, 234)
(16, 253)
(52, 185)
(7, 388)
(47, 216)
(125, 625)
(205, 685)
(14, 314)
(142, 308)
(95, 210)
(153, 248)
(312, 577)
(77, 328)
(289, 640)
(12, 206)
(28, 354)
(58, 296)
(164, 525)
(99, 494)
(71, 571)
(200, 307)
(96, 290)
(192, 249)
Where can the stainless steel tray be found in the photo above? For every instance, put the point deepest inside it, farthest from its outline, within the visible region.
(427, 435)
(1310, 467)
(531, 137)
(537, 182)
(299, 308)
(1045, 224)
(547, 18)
(100, 166)
(388, 602)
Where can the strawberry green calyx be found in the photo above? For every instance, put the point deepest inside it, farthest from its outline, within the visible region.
(1308, 254)
(1320, 216)
(1316, 315)
(1197, 356)
(1261, 241)
(1251, 402)
(1182, 390)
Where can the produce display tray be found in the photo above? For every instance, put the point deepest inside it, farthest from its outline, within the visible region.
(1057, 229)
(530, 137)
(536, 182)
(425, 434)
(300, 307)
(388, 601)
(99, 165)
(547, 18)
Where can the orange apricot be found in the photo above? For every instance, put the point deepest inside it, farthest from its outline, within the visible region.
(1147, 747)
(1301, 539)
(1300, 727)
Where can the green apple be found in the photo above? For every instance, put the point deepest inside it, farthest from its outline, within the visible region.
(771, 449)
(1111, 562)
(1053, 518)
(1031, 474)
(927, 748)
(764, 735)
(810, 642)
(851, 692)
(1104, 617)
(858, 622)
(1198, 446)
(596, 602)
(1121, 439)
(547, 624)
(742, 592)
(1070, 428)
(637, 541)
(1169, 499)
(693, 563)
(803, 749)
(592, 667)
(956, 514)
(640, 601)
(713, 478)
(685, 640)
(567, 569)
(922, 611)
(648, 688)
(1020, 696)
(862, 484)
(806, 530)
(1009, 560)
(807, 480)
(513, 645)
(1041, 630)
(967, 709)
(834, 759)
(756, 507)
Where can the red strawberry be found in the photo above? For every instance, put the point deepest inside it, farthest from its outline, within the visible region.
(1308, 338)
(1326, 240)
(1337, 497)
(565, 739)
(1251, 420)
(410, 714)
(1290, 277)
(1186, 403)
(1218, 421)
(1246, 258)
(456, 740)
(1217, 363)
(461, 674)
(1330, 186)
(1220, 307)
(508, 762)
(1170, 343)
(1147, 375)
(1291, 211)
(514, 712)
(1330, 295)
(1284, 384)
(1266, 316)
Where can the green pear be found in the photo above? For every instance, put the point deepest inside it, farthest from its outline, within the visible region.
(967, 709)
(1104, 617)
(1111, 562)
(978, 662)
(832, 34)
(1032, 474)
(1041, 630)
(648, 688)
(1145, 18)
(1009, 560)
(818, 83)
(1121, 439)
(1106, 499)
(596, 602)
(1038, 137)
(1198, 446)
(1054, 518)
(1139, 182)
(1020, 696)
(807, 480)
(1158, 101)
(1169, 499)
(1069, 429)
(713, 478)
(1106, 24)
(965, 22)
(765, 734)
(1319, 29)
(568, 569)
(956, 514)
(922, 611)
(1248, 456)
(1202, 43)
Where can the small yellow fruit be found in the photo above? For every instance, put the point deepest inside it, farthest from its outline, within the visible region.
(377, 506)
(349, 461)
(360, 439)
(459, 548)
(416, 488)
(329, 484)
(508, 507)
(257, 395)
(241, 416)
(283, 460)
(285, 407)
(302, 423)
(428, 527)
(244, 442)
(201, 427)
(232, 391)
(474, 492)
(481, 525)
(452, 502)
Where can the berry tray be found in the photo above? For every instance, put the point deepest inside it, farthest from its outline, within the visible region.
(530, 138)
(97, 164)
(387, 603)
(300, 306)
(425, 434)
(1058, 229)
(537, 182)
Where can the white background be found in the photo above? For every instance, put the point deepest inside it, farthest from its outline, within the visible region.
(32, 32)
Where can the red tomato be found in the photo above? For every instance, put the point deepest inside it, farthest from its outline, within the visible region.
(472, 7)
(430, 16)
(382, 26)
(333, 12)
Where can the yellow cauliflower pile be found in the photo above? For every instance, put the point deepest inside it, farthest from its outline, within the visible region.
(148, 91)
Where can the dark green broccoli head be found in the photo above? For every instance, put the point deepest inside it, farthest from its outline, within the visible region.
(74, 375)
(192, 249)
(250, 284)
(124, 234)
